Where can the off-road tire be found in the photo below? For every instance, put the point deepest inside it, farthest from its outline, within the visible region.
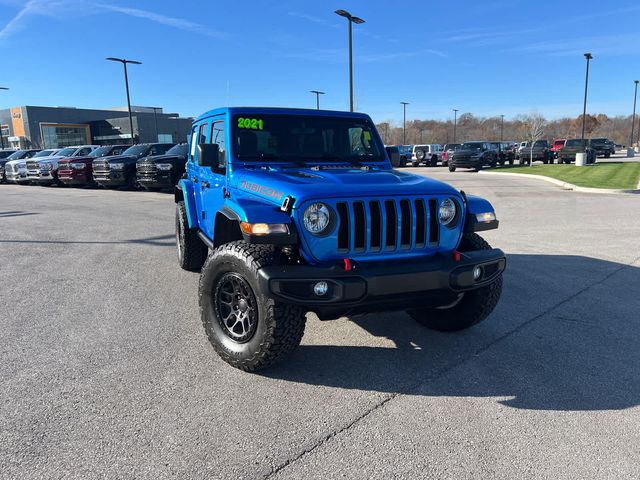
(420, 155)
(452, 168)
(415, 163)
(192, 252)
(472, 308)
(434, 161)
(279, 327)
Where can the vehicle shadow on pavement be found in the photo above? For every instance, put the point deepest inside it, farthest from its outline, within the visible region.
(157, 241)
(564, 337)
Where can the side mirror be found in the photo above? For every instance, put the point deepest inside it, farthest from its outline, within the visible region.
(209, 156)
(394, 155)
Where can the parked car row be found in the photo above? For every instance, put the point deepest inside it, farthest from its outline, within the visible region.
(153, 166)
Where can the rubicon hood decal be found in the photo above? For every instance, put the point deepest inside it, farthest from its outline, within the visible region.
(263, 190)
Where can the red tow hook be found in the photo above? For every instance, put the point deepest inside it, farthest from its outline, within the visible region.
(456, 256)
(347, 264)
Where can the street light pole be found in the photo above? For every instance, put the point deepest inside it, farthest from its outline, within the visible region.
(501, 126)
(588, 56)
(2, 137)
(455, 123)
(351, 19)
(318, 93)
(633, 118)
(404, 122)
(126, 83)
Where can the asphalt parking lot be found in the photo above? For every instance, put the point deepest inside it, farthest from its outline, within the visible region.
(106, 371)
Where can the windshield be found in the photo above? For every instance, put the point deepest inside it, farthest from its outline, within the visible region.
(573, 143)
(178, 150)
(558, 142)
(305, 138)
(17, 155)
(136, 150)
(472, 146)
(65, 152)
(451, 146)
(44, 153)
(598, 140)
(540, 143)
(100, 152)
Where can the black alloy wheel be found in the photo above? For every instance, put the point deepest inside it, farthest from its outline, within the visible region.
(236, 306)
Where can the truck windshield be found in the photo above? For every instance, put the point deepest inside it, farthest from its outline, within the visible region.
(44, 153)
(137, 150)
(65, 152)
(305, 139)
(472, 146)
(100, 152)
(180, 149)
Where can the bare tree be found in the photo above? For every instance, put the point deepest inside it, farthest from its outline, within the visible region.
(536, 125)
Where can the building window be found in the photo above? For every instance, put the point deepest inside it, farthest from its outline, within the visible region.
(56, 136)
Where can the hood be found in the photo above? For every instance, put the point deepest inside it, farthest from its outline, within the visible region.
(163, 158)
(467, 151)
(275, 183)
(117, 158)
(82, 158)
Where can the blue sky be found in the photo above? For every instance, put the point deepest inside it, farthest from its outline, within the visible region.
(488, 58)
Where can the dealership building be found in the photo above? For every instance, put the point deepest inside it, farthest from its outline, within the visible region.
(54, 127)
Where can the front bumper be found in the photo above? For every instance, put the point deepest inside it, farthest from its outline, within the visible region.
(74, 177)
(156, 180)
(379, 286)
(466, 162)
(17, 177)
(113, 177)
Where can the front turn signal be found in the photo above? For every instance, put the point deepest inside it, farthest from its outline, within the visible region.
(263, 228)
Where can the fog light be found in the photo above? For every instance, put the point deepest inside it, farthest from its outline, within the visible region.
(320, 288)
(477, 273)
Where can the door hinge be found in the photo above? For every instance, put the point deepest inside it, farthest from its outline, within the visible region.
(203, 212)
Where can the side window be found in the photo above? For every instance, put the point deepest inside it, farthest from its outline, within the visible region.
(198, 136)
(83, 151)
(218, 136)
(194, 141)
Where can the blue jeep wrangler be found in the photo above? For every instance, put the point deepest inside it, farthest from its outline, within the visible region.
(287, 211)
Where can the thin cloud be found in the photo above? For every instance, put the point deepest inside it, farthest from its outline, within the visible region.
(161, 19)
(63, 9)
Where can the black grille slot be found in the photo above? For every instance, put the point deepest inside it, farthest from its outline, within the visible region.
(392, 224)
(343, 226)
(421, 223)
(405, 224)
(376, 225)
(360, 227)
(434, 227)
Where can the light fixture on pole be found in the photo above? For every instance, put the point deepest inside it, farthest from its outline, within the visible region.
(501, 126)
(351, 19)
(404, 122)
(455, 123)
(2, 137)
(588, 56)
(126, 83)
(317, 93)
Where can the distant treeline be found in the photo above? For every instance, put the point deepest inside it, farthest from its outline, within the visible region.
(470, 127)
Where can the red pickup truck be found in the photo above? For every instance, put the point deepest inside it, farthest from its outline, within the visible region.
(558, 143)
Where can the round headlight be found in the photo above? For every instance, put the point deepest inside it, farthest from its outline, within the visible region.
(316, 218)
(447, 211)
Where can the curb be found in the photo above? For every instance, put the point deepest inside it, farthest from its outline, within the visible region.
(566, 185)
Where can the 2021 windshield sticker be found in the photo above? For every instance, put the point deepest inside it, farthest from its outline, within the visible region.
(250, 123)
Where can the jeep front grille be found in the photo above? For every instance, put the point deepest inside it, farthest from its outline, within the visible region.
(386, 225)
